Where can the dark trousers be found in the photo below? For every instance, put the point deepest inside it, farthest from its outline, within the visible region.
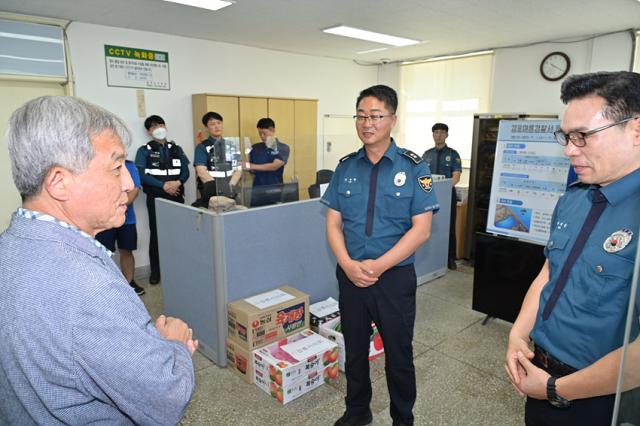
(452, 226)
(391, 304)
(582, 412)
(154, 258)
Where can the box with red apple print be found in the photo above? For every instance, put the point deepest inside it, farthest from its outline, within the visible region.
(332, 330)
(293, 366)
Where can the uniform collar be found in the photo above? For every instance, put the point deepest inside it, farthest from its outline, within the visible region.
(623, 188)
(443, 148)
(391, 153)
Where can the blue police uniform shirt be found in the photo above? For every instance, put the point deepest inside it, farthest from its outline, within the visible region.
(141, 163)
(130, 215)
(589, 318)
(201, 156)
(444, 161)
(261, 154)
(404, 189)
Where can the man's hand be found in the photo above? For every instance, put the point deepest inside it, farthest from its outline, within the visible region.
(533, 380)
(175, 329)
(372, 268)
(359, 274)
(172, 187)
(513, 368)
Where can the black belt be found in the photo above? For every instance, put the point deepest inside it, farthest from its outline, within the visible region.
(550, 364)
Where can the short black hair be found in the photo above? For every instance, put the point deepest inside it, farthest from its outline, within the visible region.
(620, 90)
(266, 123)
(440, 126)
(152, 120)
(382, 93)
(210, 116)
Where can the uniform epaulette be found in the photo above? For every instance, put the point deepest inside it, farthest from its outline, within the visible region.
(346, 157)
(412, 155)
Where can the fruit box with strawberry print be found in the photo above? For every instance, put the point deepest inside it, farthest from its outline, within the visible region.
(293, 366)
(332, 331)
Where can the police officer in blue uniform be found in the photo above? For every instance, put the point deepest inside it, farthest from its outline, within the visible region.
(575, 310)
(214, 165)
(163, 170)
(268, 157)
(380, 208)
(444, 160)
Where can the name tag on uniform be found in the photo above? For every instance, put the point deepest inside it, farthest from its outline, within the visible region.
(176, 162)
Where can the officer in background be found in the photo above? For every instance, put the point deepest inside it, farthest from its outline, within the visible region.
(380, 208)
(575, 310)
(444, 160)
(210, 160)
(163, 169)
(268, 157)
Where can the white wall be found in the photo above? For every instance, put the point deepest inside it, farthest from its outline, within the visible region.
(519, 87)
(200, 66)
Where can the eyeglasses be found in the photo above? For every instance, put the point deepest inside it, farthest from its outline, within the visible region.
(579, 139)
(373, 118)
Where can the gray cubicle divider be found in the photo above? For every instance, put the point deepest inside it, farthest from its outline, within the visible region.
(209, 259)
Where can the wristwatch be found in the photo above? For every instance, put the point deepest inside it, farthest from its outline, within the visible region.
(553, 398)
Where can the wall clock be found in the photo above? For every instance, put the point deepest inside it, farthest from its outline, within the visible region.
(554, 66)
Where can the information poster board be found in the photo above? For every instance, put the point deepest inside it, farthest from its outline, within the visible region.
(529, 175)
(136, 68)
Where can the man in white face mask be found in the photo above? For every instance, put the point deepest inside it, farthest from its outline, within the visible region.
(163, 168)
(268, 158)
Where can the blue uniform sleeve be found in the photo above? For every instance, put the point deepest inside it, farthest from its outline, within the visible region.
(456, 162)
(184, 166)
(283, 152)
(133, 171)
(200, 155)
(330, 197)
(141, 164)
(424, 194)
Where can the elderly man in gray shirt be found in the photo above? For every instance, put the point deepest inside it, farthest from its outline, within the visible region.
(77, 344)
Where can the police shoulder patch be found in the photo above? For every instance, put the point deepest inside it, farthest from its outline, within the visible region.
(426, 183)
(346, 157)
(412, 156)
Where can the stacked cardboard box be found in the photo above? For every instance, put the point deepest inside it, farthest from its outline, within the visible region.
(262, 319)
(293, 366)
(322, 312)
(331, 330)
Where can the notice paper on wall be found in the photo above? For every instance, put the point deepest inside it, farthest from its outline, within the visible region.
(268, 299)
(529, 176)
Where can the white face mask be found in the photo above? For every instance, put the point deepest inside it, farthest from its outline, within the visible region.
(270, 142)
(159, 133)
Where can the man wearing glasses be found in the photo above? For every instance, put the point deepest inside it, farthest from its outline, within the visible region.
(381, 203)
(575, 310)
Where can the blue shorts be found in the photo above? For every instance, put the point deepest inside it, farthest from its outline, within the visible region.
(126, 236)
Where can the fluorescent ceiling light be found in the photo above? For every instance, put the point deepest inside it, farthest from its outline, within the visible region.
(205, 4)
(344, 31)
(380, 49)
(444, 58)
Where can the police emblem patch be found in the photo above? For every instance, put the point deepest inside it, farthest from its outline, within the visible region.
(426, 183)
(400, 178)
(617, 241)
(447, 158)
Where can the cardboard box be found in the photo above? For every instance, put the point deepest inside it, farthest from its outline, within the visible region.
(264, 318)
(323, 311)
(328, 330)
(293, 366)
(240, 360)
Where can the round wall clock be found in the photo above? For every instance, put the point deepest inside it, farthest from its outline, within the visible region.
(554, 66)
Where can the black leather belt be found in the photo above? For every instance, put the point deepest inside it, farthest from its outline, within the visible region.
(550, 364)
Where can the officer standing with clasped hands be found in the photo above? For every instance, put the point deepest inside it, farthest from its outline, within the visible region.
(380, 207)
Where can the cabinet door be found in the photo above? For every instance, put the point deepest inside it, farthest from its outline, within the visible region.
(251, 110)
(282, 112)
(306, 131)
(227, 107)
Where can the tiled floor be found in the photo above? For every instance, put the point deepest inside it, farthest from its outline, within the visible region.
(459, 371)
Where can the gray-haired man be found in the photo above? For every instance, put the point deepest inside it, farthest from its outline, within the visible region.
(78, 345)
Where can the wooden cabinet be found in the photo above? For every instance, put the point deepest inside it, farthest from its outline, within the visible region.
(296, 125)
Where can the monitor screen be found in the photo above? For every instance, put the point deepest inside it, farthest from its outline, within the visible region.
(265, 195)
